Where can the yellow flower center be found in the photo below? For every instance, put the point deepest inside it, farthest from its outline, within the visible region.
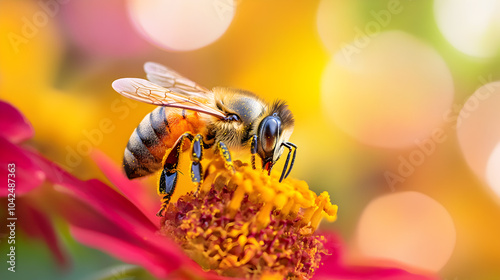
(248, 224)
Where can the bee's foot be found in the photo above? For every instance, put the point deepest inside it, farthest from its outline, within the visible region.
(160, 212)
(226, 156)
(198, 187)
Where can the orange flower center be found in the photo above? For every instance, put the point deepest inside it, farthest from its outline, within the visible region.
(247, 224)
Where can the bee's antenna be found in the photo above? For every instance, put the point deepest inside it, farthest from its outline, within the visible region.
(285, 173)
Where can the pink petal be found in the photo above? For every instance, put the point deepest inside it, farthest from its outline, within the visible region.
(37, 225)
(120, 249)
(26, 175)
(372, 273)
(13, 125)
(133, 190)
(334, 245)
(113, 215)
(334, 268)
(130, 244)
(97, 194)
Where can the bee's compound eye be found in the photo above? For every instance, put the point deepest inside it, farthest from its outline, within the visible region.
(269, 134)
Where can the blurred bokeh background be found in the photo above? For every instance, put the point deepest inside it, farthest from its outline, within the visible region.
(396, 105)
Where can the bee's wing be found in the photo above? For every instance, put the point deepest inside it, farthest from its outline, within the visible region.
(168, 78)
(146, 91)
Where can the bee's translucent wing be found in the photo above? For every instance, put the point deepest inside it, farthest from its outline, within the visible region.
(145, 91)
(168, 78)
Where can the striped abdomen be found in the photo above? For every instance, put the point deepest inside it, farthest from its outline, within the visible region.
(156, 133)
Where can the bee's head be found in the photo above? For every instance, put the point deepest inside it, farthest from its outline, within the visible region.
(274, 130)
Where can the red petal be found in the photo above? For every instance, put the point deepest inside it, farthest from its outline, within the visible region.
(37, 225)
(131, 244)
(97, 194)
(334, 246)
(133, 190)
(363, 273)
(13, 125)
(120, 249)
(26, 174)
(112, 215)
(334, 268)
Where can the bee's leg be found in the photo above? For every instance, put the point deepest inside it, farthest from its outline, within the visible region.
(253, 149)
(226, 155)
(168, 177)
(196, 156)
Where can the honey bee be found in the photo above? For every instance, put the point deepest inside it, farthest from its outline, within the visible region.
(221, 119)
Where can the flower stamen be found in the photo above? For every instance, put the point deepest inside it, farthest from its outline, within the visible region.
(248, 224)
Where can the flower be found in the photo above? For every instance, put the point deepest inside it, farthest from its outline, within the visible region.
(248, 224)
(242, 224)
(124, 225)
